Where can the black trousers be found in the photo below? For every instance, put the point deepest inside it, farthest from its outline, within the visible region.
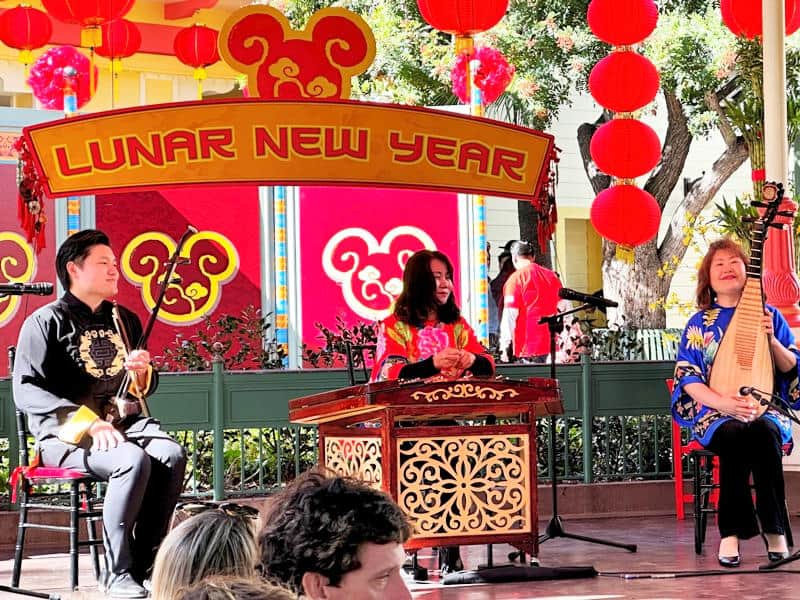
(145, 478)
(744, 449)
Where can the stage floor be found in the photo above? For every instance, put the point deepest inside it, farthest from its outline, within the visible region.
(665, 547)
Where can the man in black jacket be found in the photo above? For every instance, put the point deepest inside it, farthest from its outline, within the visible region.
(70, 364)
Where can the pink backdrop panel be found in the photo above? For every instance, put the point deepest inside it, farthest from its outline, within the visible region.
(355, 242)
(224, 275)
(15, 264)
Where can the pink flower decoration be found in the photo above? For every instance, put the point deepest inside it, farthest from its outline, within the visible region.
(431, 340)
(493, 76)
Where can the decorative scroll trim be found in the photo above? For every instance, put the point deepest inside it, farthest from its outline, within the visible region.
(465, 390)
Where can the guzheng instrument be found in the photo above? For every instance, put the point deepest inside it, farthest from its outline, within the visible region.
(744, 358)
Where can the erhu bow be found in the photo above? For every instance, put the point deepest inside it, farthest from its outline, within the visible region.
(121, 401)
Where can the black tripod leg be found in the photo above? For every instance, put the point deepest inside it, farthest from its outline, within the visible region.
(555, 528)
(15, 590)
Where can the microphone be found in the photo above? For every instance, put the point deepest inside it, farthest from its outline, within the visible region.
(17, 289)
(568, 294)
(746, 391)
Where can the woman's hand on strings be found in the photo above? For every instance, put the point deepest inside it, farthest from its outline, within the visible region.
(138, 361)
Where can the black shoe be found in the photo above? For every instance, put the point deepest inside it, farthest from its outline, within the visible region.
(729, 561)
(123, 585)
(450, 560)
(776, 556)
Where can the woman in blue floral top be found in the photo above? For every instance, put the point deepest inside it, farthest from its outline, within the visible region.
(727, 425)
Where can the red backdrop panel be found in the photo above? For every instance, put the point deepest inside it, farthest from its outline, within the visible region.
(15, 262)
(355, 242)
(224, 275)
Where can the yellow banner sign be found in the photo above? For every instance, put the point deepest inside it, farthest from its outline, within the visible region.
(288, 143)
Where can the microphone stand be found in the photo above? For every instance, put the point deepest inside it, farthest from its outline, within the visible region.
(555, 528)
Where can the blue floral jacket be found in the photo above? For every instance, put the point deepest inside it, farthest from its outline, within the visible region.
(696, 352)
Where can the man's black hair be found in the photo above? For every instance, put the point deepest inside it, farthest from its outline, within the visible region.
(75, 249)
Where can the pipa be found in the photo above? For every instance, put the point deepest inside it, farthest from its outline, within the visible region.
(744, 357)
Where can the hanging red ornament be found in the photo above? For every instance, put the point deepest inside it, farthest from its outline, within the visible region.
(462, 18)
(121, 39)
(56, 70)
(196, 46)
(30, 197)
(89, 14)
(622, 22)
(626, 215)
(625, 148)
(25, 29)
(744, 17)
(624, 81)
(492, 77)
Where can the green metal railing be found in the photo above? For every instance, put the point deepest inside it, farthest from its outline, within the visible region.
(236, 430)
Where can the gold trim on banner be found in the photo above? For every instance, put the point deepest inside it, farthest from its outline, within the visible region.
(465, 390)
(465, 485)
(355, 457)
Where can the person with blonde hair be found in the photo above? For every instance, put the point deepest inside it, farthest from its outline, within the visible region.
(235, 588)
(218, 541)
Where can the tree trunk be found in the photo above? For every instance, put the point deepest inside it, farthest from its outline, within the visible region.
(528, 219)
(637, 287)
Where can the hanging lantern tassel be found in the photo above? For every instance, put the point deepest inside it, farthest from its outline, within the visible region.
(116, 69)
(624, 254)
(199, 75)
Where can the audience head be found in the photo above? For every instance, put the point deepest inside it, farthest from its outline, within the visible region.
(235, 588)
(218, 541)
(705, 294)
(422, 279)
(522, 253)
(335, 538)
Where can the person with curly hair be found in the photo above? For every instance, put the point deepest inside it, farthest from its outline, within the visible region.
(335, 538)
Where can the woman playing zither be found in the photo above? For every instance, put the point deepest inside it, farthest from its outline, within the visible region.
(729, 425)
(426, 336)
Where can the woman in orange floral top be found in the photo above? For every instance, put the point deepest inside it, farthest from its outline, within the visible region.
(727, 425)
(426, 335)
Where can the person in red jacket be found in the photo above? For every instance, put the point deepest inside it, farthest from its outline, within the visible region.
(530, 293)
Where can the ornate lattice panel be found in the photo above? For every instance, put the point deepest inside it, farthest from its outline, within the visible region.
(355, 457)
(465, 485)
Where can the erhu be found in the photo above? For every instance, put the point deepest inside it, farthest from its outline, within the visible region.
(744, 358)
(121, 403)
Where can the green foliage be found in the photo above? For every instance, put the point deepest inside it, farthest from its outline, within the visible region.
(333, 351)
(243, 343)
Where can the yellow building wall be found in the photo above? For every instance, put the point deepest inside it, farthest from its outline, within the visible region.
(579, 250)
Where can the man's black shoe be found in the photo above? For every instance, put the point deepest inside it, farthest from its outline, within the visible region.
(123, 585)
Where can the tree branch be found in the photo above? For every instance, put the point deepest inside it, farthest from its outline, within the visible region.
(724, 125)
(674, 151)
(597, 178)
(701, 192)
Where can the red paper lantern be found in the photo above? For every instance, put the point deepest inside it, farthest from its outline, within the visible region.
(626, 214)
(625, 148)
(121, 39)
(462, 17)
(89, 14)
(744, 17)
(622, 22)
(25, 29)
(196, 46)
(624, 81)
